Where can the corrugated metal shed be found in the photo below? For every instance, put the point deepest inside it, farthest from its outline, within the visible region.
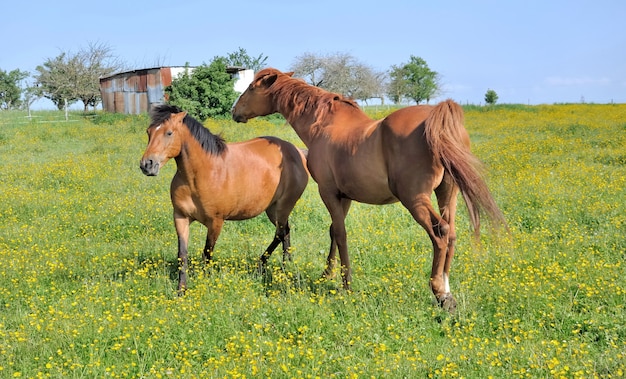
(136, 91)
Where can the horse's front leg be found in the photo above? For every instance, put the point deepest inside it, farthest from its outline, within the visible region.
(338, 209)
(214, 228)
(182, 230)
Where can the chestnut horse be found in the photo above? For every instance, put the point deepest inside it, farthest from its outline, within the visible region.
(216, 181)
(403, 157)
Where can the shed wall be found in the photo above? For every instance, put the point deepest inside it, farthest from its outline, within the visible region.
(135, 92)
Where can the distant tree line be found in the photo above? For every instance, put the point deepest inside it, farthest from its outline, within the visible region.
(207, 90)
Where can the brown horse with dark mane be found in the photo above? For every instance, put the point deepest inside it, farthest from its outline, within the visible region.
(403, 157)
(216, 181)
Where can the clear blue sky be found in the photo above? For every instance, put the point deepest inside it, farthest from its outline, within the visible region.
(530, 52)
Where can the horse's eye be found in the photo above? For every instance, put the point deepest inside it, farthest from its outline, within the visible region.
(169, 133)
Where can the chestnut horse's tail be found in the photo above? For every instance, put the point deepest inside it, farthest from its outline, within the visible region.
(449, 141)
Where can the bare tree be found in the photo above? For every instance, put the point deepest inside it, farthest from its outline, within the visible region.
(310, 67)
(94, 62)
(31, 93)
(341, 73)
(72, 77)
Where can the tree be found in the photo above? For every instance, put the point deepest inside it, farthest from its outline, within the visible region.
(309, 67)
(72, 77)
(397, 87)
(55, 80)
(413, 80)
(340, 73)
(30, 94)
(491, 97)
(97, 61)
(10, 89)
(206, 92)
(371, 85)
(240, 58)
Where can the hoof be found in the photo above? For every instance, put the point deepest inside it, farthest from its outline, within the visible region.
(447, 303)
(287, 257)
(329, 274)
(260, 268)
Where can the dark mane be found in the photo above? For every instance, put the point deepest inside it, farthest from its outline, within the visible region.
(211, 143)
(302, 97)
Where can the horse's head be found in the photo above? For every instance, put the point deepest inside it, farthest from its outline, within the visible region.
(255, 100)
(164, 142)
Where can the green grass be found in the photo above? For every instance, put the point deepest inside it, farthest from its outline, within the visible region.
(88, 267)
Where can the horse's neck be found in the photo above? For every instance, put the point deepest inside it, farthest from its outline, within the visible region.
(193, 160)
(303, 129)
(301, 122)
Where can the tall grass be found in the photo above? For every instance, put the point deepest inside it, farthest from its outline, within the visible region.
(88, 264)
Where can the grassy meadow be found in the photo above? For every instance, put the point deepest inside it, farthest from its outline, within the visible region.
(88, 266)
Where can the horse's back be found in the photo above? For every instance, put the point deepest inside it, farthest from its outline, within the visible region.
(404, 121)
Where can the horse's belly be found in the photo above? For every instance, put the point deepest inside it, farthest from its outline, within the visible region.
(241, 207)
(375, 199)
(372, 191)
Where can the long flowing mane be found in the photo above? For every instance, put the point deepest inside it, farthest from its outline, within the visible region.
(211, 143)
(302, 97)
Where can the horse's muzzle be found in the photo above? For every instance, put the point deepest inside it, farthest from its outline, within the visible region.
(149, 167)
(240, 118)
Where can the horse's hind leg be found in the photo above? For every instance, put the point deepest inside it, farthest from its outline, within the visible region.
(447, 193)
(281, 236)
(280, 219)
(268, 253)
(438, 230)
(329, 271)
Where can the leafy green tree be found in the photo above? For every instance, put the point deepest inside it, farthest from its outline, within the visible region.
(205, 92)
(56, 79)
(397, 87)
(491, 97)
(240, 58)
(10, 89)
(413, 80)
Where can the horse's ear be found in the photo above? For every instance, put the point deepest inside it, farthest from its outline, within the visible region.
(268, 80)
(290, 73)
(180, 115)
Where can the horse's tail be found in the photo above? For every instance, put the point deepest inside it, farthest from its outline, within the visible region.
(449, 141)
